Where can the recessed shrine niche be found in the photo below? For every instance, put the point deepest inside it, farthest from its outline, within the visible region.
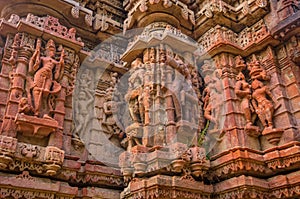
(149, 106)
(38, 75)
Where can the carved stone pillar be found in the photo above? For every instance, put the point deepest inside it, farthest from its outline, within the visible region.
(171, 124)
(18, 82)
(56, 138)
(4, 76)
(233, 131)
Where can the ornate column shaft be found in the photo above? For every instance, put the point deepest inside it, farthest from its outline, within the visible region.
(4, 76)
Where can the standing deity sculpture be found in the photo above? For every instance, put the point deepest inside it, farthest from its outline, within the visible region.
(262, 97)
(111, 106)
(256, 100)
(212, 99)
(83, 102)
(47, 71)
(243, 91)
(262, 105)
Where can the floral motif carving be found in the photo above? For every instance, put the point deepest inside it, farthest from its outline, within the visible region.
(17, 193)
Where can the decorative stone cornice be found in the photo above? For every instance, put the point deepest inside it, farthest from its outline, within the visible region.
(157, 33)
(235, 16)
(222, 39)
(161, 186)
(100, 14)
(145, 7)
(268, 163)
(45, 27)
(26, 186)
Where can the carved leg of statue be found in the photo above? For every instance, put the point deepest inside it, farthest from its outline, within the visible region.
(129, 144)
(48, 83)
(38, 96)
(247, 111)
(137, 142)
(79, 125)
(37, 92)
(262, 118)
(269, 117)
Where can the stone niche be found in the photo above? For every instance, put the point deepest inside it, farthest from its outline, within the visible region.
(161, 112)
(39, 73)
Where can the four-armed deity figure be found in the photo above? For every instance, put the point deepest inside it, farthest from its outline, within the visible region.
(47, 69)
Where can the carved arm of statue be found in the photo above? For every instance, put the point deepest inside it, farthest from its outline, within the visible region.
(208, 114)
(276, 103)
(254, 105)
(239, 90)
(60, 66)
(89, 97)
(34, 61)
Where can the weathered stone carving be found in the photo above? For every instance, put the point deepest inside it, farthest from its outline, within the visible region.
(164, 105)
(110, 107)
(14, 19)
(287, 8)
(143, 6)
(295, 50)
(212, 95)
(242, 41)
(162, 111)
(8, 147)
(54, 157)
(258, 99)
(30, 151)
(75, 12)
(83, 104)
(44, 81)
(243, 91)
(265, 110)
(25, 107)
(51, 24)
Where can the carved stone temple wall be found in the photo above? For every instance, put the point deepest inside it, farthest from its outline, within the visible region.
(145, 99)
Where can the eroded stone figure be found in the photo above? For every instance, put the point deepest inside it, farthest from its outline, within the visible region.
(263, 101)
(46, 71)
(264, 107)
(84, 101)
(25, 107)
(212, 99)
(243, 91)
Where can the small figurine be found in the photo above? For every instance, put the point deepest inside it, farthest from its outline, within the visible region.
(25, 107)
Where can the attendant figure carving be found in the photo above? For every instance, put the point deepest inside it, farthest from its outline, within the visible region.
(262, 105)
(25, 107)
(263, 102)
